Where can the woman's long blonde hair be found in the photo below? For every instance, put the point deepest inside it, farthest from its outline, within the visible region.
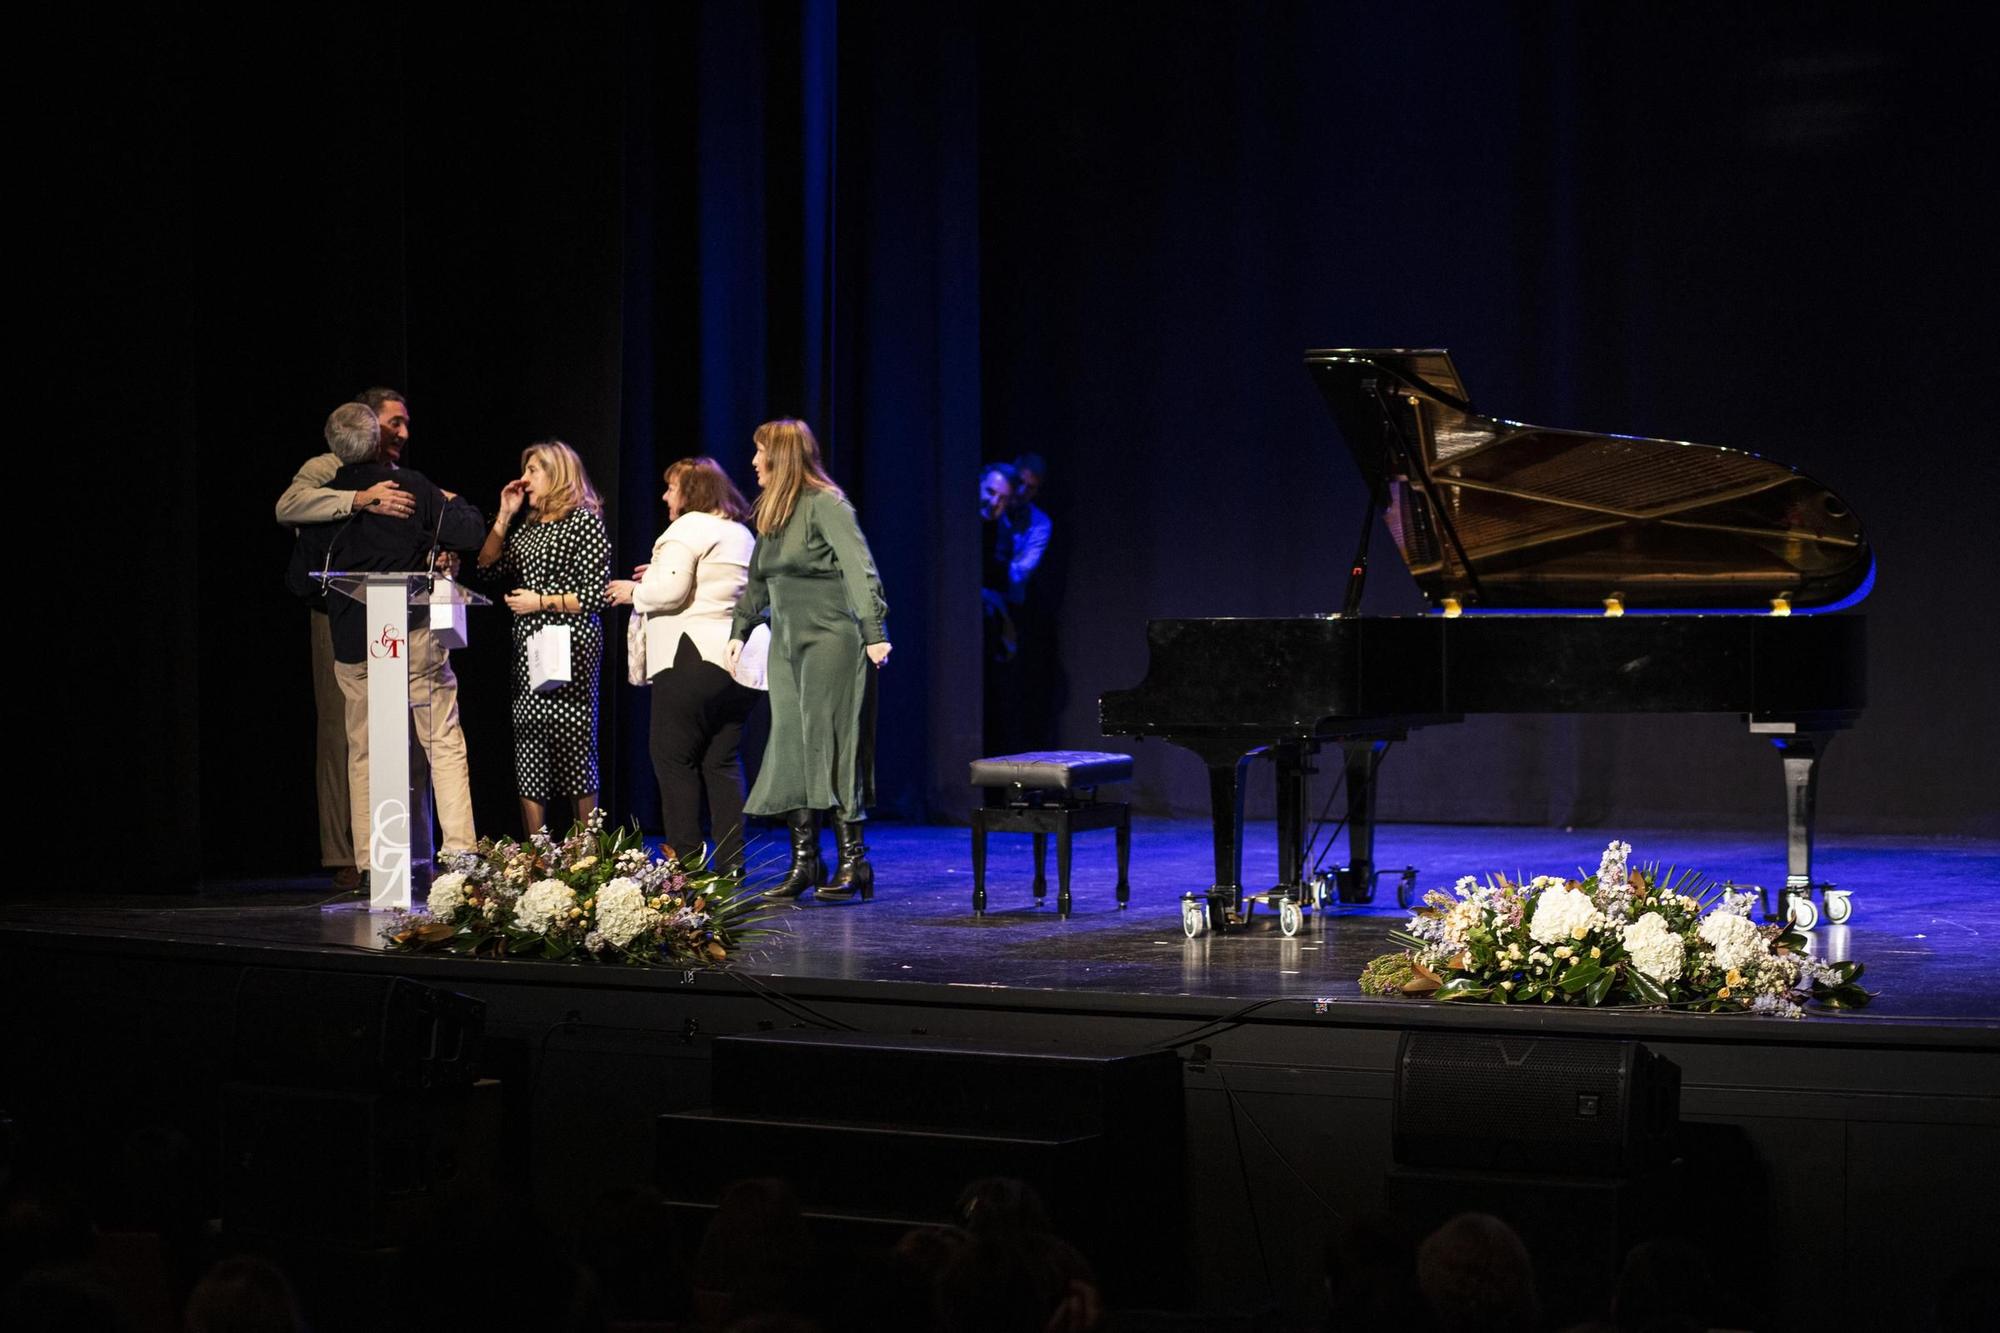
(791, 462)
(569, 484)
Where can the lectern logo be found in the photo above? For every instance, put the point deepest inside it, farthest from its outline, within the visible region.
(388, 644)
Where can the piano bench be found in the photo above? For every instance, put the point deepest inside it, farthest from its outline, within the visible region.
(1050, 791)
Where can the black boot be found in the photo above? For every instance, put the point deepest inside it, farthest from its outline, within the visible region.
(852, 874)
(807, 868)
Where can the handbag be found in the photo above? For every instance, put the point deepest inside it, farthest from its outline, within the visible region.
(635, 649)
(548, 659)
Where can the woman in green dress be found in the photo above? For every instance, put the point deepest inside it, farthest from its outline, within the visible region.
(813, 576)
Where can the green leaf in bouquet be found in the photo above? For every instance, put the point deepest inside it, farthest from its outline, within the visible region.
(1581, 974)
(1463, 988)
(1600, 986)
(1842, 997)
(1644, 987)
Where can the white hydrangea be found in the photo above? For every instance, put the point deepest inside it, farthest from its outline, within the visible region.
(1655, 949)
(546, 903)
(1735, 939)
(1562, 915)
(447, 894)
(621, 911)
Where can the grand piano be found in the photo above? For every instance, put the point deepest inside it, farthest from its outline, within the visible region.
(1566, 572)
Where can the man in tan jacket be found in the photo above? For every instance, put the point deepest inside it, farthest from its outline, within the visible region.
(308, 500)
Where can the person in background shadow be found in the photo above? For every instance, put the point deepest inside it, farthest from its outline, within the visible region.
(1475, 1276)
(998, 596)
(1036, 570)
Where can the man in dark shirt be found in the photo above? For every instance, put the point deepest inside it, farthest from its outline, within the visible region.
(370, 540)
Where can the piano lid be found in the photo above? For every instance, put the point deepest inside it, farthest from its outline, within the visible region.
(1497, 515)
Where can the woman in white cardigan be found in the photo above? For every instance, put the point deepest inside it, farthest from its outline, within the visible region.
(687, 594)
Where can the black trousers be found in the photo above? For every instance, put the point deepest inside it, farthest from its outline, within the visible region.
(698, 714)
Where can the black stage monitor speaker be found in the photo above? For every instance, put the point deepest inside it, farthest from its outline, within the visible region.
(353, 1032)
(1538, 1104)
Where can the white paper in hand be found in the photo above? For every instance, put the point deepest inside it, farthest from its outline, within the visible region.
(548, 659)
(753, 663)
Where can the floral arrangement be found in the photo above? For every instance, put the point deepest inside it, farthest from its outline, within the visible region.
(598, 894)
(1625, 935)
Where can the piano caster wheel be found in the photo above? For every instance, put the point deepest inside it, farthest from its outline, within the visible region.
(1406, 888)
(1322, 889)
(1194, 917)
(1839, 905)
(1290, 918)
(1799, 909)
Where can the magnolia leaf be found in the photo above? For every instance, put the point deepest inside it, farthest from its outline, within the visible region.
(1581, 975)
(1601, 987)
(1425, 972)
(1645, 987)
(1456, 964)
(436, 931)
(716, 953)
(1419, 986)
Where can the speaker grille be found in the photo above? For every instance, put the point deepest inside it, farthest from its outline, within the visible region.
(1505, 1103)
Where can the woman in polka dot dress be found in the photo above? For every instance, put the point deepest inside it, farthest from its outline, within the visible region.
(556, 559)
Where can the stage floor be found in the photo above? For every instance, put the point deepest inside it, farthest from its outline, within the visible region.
(1924, 914)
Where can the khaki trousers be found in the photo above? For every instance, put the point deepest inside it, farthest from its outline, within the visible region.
(437, 759)
(336, 824)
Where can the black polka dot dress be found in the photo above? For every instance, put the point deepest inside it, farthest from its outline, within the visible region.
(555, 734)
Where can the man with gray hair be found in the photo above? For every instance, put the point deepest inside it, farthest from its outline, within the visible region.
(373, 538)
(310, 499)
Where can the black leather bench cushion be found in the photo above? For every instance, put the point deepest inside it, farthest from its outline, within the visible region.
(1054, 770)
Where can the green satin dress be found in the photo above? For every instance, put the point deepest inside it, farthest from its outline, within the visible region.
(816, 580)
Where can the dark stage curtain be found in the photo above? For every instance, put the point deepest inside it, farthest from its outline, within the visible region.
(1101, 233)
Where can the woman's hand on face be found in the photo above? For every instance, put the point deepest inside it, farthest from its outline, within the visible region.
(730, 654)
(878, 653)
(524, 601)
(618, 592)
(512, 496)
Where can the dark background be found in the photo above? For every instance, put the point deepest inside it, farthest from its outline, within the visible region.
(1104, 233)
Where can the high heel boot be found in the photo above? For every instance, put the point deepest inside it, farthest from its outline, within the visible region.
(851, 874)
(807, 868)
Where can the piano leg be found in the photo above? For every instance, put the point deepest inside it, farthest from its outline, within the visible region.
(1225, 803)
(1800, 751)
(1294, 763)
(1357, 877)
